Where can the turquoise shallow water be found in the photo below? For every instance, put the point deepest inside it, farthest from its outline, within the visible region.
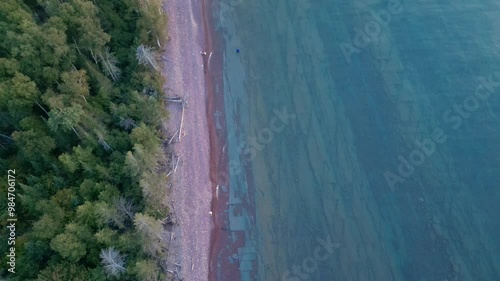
(371, 130)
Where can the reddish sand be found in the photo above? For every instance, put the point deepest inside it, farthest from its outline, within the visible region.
(222, 247)
(201, 242)
(225, 243)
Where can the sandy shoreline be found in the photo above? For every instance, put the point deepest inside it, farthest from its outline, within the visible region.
(192, 189)
(202, 246)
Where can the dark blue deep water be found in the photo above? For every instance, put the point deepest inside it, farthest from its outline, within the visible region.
(372, 132)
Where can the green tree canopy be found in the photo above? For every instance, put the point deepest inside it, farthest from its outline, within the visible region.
(79, 121)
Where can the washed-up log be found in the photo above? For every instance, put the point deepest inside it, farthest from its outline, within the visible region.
(182, 122)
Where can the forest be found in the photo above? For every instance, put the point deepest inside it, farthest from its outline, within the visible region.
(81, 124)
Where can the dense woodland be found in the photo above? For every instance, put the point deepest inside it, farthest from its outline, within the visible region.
(81, 112)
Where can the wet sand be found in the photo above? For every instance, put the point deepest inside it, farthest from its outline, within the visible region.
(224, 241)
(232, 253)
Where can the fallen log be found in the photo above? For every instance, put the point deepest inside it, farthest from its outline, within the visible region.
(172, 138)
(182, 122)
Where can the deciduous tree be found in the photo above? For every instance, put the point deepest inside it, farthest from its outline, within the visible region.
(148, 270)
(151, 233)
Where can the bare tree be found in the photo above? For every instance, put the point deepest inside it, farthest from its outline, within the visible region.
(127, 123)
(112, 261)
(110, 215)
(146, 56)
(103, 143)
(126, 207)
(109, 62)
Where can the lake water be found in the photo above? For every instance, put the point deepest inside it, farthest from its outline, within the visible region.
(370, 131)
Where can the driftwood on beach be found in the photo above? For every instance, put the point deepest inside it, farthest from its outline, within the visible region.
(172, 138)
(173, 166)
(188, 250)
(182, 102)
(182, 121)
(174, 99)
